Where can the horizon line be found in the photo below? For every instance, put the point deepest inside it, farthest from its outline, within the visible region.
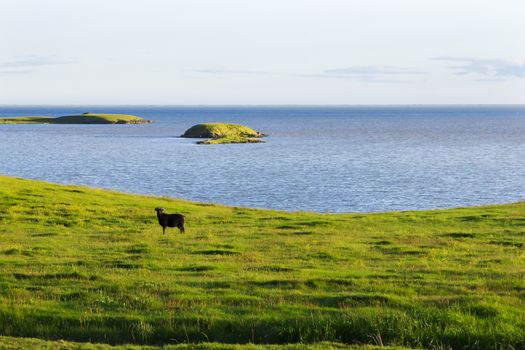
(271, 105)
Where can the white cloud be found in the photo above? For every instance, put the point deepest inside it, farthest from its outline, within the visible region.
(376, 74)
(491, 68)
(372, 71)
(212, 71)
(27, 64)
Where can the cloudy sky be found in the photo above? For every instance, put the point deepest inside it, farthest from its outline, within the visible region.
(214, 52)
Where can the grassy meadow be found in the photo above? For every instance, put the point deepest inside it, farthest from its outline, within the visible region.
(34, 343)
(92, 266)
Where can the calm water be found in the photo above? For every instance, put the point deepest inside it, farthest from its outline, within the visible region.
(329, 159)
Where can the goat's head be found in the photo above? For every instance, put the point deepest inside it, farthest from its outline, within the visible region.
(159, 210)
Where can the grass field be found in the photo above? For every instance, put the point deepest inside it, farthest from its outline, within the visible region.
(87, 265)
(34, 343)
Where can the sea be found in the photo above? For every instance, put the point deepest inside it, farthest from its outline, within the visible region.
(329, 159)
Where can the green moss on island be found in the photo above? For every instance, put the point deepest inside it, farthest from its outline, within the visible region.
(223, 140)
(27, 120)
(221, 133)
(86, 118)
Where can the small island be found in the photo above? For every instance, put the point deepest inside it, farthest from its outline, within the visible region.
(222, 133)
(85, 118)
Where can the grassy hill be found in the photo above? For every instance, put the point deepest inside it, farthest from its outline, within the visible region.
(86, 118)
(221, 133)
(89, 265)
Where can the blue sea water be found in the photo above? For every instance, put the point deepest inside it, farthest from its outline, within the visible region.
(327, 159)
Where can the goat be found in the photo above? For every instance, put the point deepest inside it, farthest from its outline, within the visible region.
(170, 220)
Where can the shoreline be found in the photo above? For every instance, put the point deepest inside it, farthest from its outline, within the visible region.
(199, 202)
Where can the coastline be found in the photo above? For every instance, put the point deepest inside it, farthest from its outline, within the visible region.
(369, 163)
(233, 205)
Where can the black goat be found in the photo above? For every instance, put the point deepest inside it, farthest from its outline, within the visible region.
(170, 220)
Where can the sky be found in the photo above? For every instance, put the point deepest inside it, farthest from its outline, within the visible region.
(262, 52)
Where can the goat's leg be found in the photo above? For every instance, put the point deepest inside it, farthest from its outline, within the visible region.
(163, 230)
(181, 228)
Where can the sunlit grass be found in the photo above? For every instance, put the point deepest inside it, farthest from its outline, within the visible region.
(90, 265)
(86, 118)
(33, 343)
(223, 140)
(26, 120)
(222, 133)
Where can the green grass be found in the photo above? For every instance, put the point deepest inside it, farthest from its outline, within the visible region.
(221, 133)
(86, 118)
(100, 118)
(33, 343)
(89, 265)
(27, 120)
(224, 140)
